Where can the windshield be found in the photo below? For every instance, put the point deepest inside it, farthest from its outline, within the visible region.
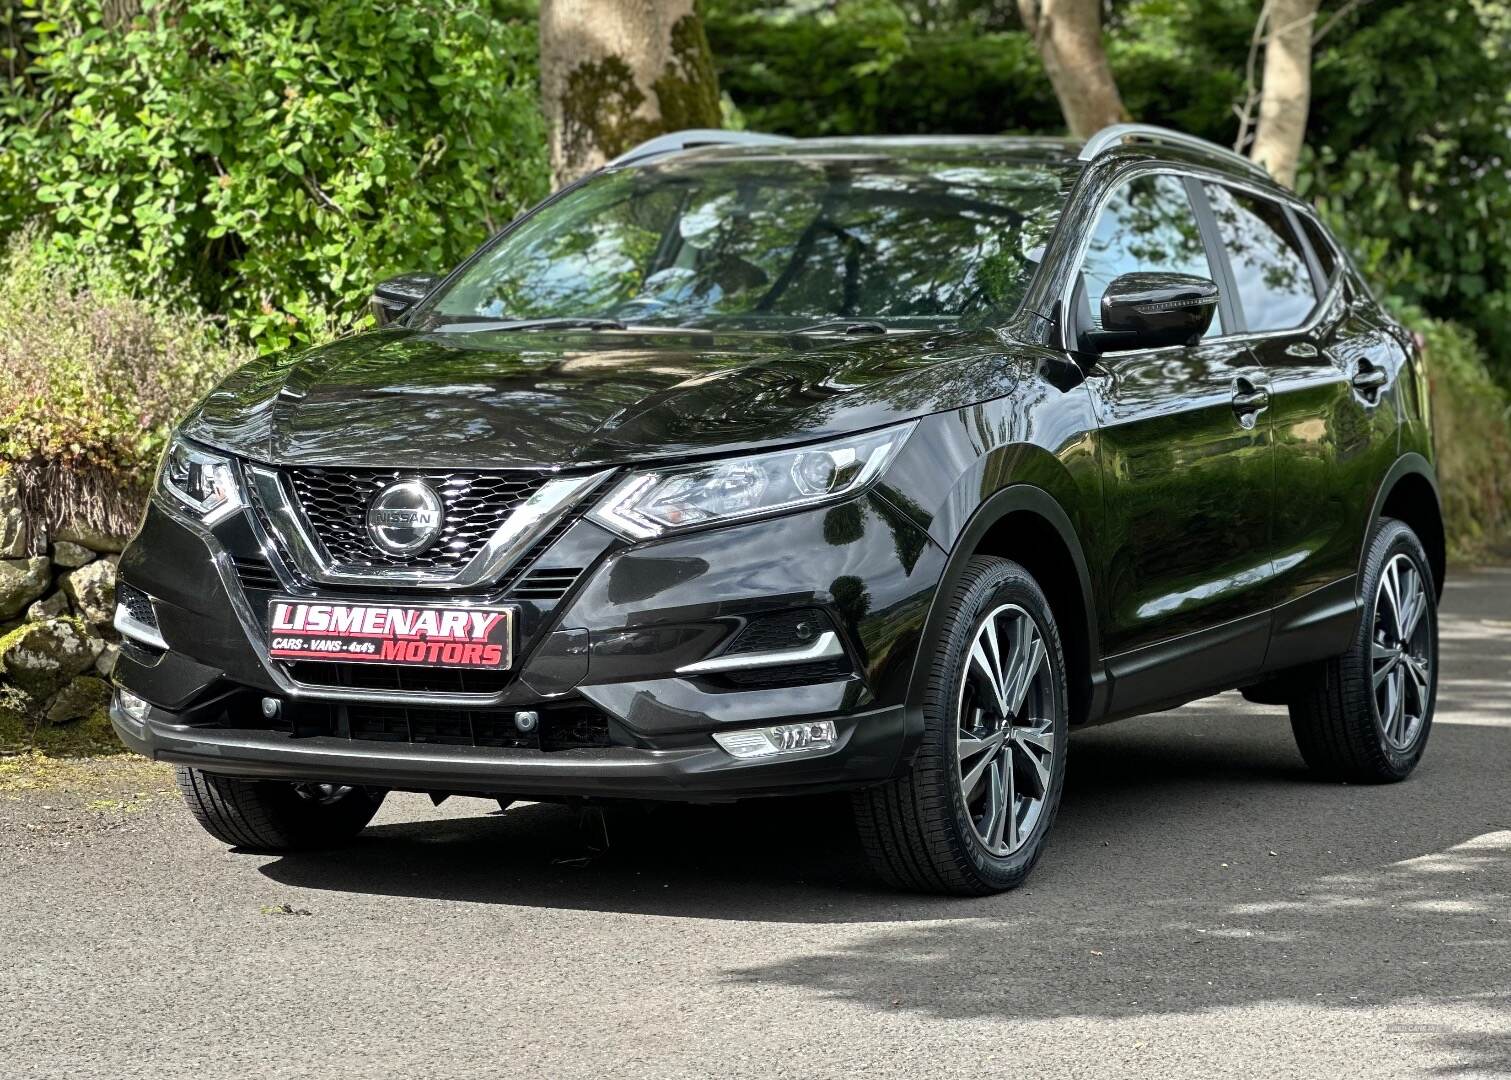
(772, 243)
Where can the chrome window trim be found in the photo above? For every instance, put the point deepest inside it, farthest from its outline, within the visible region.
(826, 645)
(529, 521)
(1138, 169)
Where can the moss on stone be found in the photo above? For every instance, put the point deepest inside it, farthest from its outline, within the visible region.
(25, 730)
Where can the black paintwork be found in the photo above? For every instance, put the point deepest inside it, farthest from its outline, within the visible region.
(1197, 514)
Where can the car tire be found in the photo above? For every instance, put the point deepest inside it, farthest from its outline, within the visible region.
(937, 829)
(1364, 716)
(274, 816)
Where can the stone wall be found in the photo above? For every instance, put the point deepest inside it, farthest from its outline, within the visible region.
(57, 646)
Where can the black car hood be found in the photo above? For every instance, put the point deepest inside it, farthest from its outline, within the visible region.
(507, 399)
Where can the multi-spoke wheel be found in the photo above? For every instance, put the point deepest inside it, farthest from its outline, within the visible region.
(1366, 715)
(276, 815)
(1401, 653)
(1005, 744)
(973, 813)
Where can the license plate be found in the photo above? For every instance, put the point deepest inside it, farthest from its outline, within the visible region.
(428, 635)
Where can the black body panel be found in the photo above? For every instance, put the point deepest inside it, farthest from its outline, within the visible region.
(1196, 515)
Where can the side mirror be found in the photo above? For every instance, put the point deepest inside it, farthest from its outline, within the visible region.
(397, 295)
(1154, 310)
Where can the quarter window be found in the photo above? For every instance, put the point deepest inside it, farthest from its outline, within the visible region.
(1327, 258)
(1146, 226)
(1270, 272)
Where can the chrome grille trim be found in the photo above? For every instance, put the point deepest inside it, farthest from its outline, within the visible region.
(526, 524)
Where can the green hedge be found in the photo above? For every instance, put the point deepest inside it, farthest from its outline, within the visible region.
(1471, 415)
(272, 160)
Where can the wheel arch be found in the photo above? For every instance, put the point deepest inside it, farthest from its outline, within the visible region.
(1409, 493)
(1025, 523)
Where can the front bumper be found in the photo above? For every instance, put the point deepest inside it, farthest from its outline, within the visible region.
(866, 751)
(619, 643)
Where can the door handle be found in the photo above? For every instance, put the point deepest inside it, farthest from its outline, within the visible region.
(1249, 401)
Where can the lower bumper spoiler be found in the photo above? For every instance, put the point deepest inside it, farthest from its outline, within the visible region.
(868, 750)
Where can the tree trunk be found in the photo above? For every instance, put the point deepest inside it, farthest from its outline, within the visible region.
(1286, 92)
(1068, 34)
(616, 72)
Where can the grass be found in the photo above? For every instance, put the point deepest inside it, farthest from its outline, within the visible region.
(121, 782)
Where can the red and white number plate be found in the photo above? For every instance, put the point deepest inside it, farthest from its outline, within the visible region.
(424, 636)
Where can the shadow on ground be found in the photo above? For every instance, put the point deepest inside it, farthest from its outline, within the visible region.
(1195, 866)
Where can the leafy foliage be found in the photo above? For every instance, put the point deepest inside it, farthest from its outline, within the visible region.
(1410, 131)
(1470, 411)
(272, 160)
(93, 380)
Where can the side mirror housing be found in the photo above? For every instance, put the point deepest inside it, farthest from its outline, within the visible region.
(397, 295)
(1155, 310)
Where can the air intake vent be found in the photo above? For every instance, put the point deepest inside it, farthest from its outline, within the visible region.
(546, 584)
(136, 603)
(256, 574)
(564, 725)
(778, 633)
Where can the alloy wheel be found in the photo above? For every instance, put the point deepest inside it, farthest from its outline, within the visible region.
(1005, 739)
(1401, 653)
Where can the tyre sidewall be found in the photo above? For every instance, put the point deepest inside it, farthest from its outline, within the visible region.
(999, 582)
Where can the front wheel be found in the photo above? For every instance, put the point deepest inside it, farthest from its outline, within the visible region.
(1366, 715)
(972, 815)
(275, 815)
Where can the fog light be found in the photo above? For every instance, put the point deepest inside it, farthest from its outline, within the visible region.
(271, 707)
(784, 739)
(526, 720)
(134, 707)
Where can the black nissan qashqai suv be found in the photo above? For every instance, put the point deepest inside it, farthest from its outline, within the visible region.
(749, 466)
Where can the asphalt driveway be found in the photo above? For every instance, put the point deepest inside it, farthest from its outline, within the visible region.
(1205, 910)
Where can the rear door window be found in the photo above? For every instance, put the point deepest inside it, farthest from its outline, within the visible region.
(1274, 284)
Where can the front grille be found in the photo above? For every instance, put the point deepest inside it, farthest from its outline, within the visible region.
(565, 725)
(335, 503)
(393, 677)
(255, 574)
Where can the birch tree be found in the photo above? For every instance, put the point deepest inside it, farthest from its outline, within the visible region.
(1287, 30)
(1068, 34)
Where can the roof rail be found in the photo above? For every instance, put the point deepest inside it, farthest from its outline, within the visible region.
(1116, 134)
(691, 138)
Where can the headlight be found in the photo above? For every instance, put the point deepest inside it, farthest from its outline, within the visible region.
(202, 482)
(648, 504)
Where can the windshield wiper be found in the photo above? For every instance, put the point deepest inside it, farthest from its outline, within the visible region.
(561, 322)
(843, 326)
(565, 322)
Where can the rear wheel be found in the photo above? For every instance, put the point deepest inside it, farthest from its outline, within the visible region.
(1366, 716)
(973, 814)
(276, 815)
